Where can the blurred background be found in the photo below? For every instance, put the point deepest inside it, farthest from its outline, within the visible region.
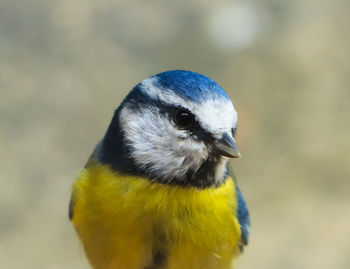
(66, 65)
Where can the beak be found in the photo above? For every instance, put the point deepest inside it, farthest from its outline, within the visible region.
(226, 146)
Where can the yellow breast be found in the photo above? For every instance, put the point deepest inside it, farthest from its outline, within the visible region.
(124, 221)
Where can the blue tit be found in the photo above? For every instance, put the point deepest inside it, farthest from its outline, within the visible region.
(157, 191)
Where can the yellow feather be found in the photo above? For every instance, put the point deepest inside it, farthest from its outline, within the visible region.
(121, 219)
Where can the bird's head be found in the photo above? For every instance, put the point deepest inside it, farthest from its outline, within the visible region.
(176, 127)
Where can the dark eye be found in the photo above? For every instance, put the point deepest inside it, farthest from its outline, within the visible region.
(183, 119)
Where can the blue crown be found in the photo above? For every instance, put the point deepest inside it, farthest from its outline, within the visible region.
(190, 85)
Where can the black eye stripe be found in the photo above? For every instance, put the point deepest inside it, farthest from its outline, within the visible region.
(172, 111)
(195, 130)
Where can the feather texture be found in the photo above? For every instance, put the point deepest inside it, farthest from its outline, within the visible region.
(123, 221)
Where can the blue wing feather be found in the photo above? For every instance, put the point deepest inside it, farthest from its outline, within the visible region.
(242, 212)
(243, 217)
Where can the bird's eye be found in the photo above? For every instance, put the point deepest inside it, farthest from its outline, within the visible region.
(183, 119)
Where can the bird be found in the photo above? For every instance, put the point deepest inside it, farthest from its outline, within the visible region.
(157, 191)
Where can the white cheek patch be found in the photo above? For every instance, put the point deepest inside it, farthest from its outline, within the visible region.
(159, 146)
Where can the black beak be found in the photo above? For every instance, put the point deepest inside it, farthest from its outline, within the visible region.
(226, 146)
